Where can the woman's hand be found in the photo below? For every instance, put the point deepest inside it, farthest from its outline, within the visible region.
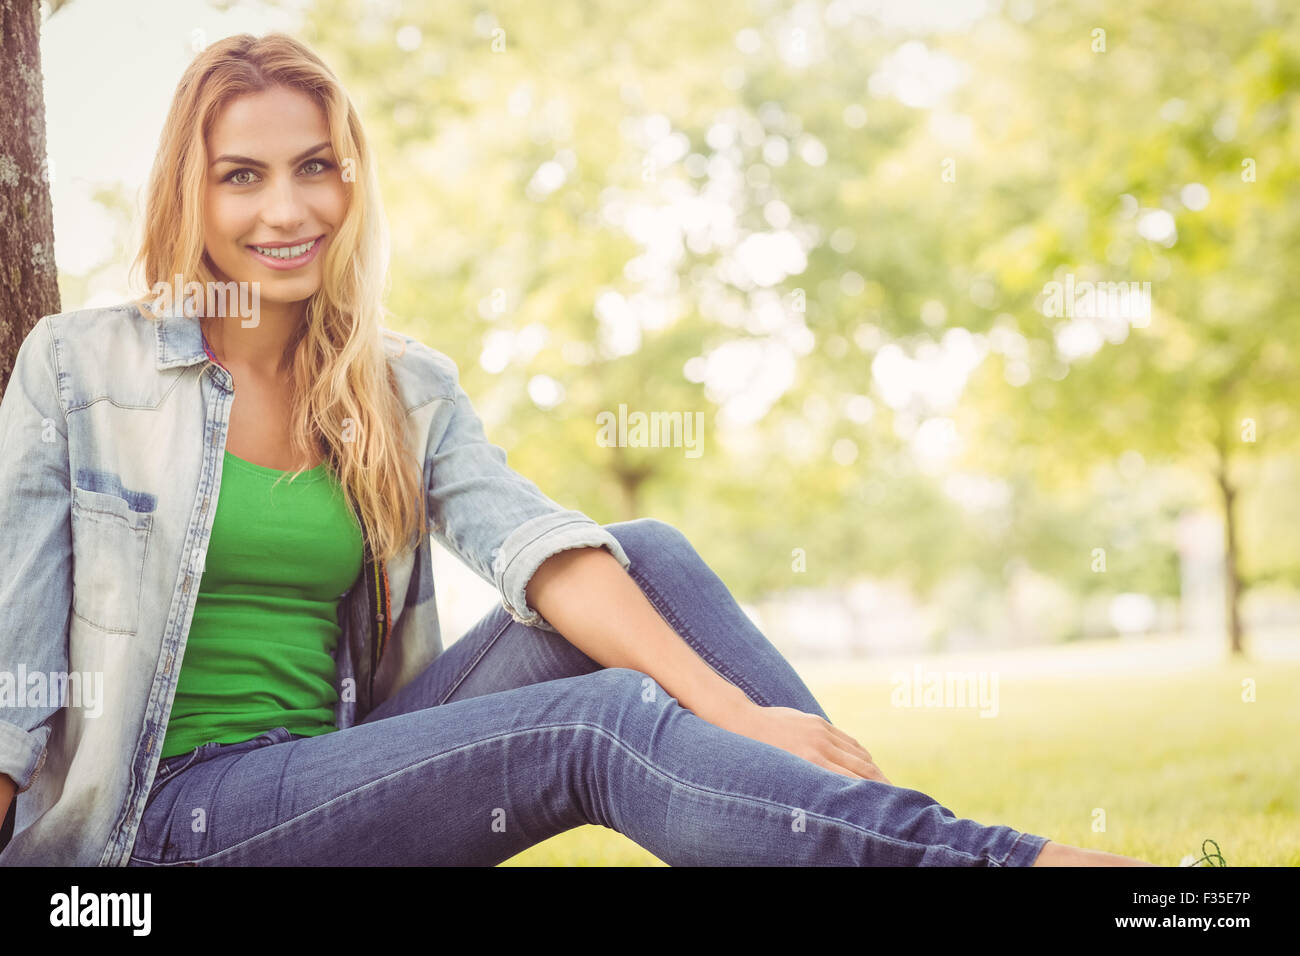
(804, 735)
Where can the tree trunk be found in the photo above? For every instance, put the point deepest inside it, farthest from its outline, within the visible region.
(630, 478)
(629, 484)
(29, 285)
(1232, 579)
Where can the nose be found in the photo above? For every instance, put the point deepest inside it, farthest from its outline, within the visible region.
(285, 208)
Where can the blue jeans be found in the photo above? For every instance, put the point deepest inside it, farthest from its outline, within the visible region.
(513, 735)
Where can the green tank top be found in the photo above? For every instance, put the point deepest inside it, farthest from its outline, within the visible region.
(258, 655)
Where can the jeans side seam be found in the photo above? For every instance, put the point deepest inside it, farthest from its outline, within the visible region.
(1022, 838)
(1006, 856)
(766, 804)
(477, 659)
(683, 631)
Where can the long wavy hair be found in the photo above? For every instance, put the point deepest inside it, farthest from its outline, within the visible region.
(345, 402)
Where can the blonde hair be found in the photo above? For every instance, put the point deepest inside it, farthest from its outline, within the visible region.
(345, 401)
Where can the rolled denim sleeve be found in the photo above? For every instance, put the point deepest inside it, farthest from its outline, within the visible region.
(35, 553)
(496, 521)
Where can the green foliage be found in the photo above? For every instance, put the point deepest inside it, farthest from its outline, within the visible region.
(916, 219)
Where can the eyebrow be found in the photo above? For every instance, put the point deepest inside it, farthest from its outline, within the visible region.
(248, 160)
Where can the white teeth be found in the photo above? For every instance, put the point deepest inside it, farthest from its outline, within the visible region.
(288, 252)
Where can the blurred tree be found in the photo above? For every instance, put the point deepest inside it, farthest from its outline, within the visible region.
(746, 216)
(1161, 150)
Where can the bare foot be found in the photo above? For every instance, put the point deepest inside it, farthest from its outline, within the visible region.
(1060, 854)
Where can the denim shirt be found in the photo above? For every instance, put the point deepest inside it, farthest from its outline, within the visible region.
(112, 433)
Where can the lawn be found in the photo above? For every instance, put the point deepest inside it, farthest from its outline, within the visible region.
(1171, 758)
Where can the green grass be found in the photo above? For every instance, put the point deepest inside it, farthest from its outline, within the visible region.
(1171, 759)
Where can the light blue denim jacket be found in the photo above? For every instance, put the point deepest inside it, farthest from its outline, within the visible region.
(112, 433)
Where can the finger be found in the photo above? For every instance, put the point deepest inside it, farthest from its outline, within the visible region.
(852, 749)
(866, 769)
(863, 769)
(874, 773)
(871, 772)
(828, 758)
(828, 764)
(849, 742)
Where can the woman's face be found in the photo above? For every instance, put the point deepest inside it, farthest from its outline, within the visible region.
(273, 180)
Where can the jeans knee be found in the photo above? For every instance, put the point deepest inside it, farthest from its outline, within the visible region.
(614, 691)
(618, 681)
(649, 537)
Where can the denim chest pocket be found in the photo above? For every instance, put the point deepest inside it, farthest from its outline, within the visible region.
(109, 543)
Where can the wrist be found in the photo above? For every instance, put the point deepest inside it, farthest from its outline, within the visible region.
(726, 707)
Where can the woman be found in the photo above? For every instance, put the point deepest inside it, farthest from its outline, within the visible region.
(227, 698)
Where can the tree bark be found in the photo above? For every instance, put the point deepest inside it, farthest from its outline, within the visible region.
(1232, 579)
(29, 285)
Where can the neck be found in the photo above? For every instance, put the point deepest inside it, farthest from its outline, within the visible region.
(260, 349)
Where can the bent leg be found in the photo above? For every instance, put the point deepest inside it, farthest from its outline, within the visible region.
(499, 653)
(696, 604)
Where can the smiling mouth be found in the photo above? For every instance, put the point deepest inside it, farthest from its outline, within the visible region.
(287, 253)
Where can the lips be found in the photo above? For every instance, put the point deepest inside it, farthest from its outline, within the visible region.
(283, 262)
(280, 246)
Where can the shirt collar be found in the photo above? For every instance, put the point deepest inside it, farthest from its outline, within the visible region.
(180, 339)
